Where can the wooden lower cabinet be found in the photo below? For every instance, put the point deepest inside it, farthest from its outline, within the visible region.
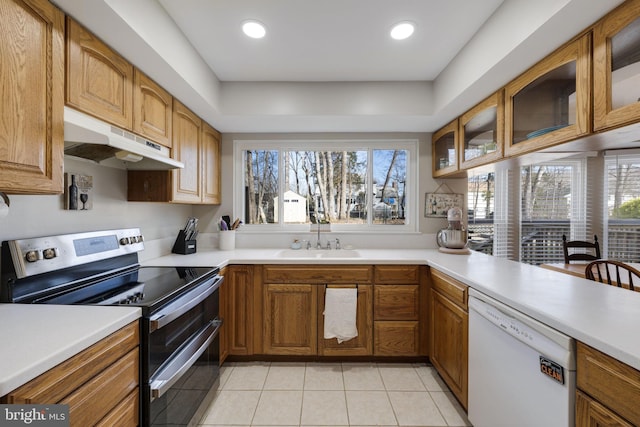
(591, 413)
(362, 345)
(449, 333)
(290, 319)
(396, 338)
(608, 390)
(100, 384)
(391, 317)
(400, 310)
(237, 310)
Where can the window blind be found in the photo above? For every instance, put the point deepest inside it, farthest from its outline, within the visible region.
(506, 216)
(553, 204)
(622, 207)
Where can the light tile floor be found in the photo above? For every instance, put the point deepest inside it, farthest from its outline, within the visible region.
(332, 394)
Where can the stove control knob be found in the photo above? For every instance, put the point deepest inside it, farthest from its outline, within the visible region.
(33, 256)
(124, 241)
(140, 239)
(50, 253)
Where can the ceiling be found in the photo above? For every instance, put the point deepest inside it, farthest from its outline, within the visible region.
(330, 66)
(329, 40)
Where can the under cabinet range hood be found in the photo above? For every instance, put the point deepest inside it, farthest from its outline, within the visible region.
(89, 138)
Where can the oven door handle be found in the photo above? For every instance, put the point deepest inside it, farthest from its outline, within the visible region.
(181, 362)
(183, 304)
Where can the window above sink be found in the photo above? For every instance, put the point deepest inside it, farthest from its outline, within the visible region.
(356, 185)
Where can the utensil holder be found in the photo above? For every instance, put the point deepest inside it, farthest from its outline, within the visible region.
(227, 240)
(183, 246)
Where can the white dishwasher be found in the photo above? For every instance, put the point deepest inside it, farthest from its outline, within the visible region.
(521, 372)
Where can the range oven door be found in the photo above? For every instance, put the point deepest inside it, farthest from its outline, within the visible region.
(181, 357)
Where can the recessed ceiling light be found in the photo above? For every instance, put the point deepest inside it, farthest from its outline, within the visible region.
(254, 29)
(402, 30)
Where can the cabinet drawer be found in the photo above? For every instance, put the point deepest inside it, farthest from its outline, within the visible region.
(59, 382)
(317, 274)
(457, 292)
(396, 302)
(609, 381)
(95, 399)
(590, 412)
(125, 414)
(397, 274)
(396, 338)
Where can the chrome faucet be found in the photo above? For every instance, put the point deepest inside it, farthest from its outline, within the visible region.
(337, 243)
(318, 244)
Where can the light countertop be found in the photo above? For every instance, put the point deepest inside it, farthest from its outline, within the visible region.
(604, 317)
(35, 338)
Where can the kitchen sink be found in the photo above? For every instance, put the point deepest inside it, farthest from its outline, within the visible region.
(318, 253)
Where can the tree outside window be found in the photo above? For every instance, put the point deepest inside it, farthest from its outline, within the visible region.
(363, 186)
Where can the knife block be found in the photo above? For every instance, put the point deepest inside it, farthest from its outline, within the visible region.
(183, 246)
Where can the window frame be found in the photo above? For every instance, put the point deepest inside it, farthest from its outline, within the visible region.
(368, 145)
(508, 205)
(613, 157)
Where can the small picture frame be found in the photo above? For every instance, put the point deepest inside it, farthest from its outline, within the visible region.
(436, 205)
(78, 192)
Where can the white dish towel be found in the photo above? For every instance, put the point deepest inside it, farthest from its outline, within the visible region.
(340, 306)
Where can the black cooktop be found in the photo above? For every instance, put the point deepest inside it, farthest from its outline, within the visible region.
(152, 287)
(147, 287)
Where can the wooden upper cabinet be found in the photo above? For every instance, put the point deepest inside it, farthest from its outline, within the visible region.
(31, 117)
(152, 109)
(551, 102)
(186, 149)
(482, 132)
(197, 145)
(99, 81)
(211, 183)
(444, 150)
(616, 67)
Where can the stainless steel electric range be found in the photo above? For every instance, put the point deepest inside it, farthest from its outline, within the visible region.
(180, 310)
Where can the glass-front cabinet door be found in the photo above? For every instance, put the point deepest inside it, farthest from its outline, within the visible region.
(550, 103)
(444, 152)
(616, 67)
(482, 132)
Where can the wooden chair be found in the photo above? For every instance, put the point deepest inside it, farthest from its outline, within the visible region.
(614, 273)
(580, 244)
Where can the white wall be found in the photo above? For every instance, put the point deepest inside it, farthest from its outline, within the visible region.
(33, 216)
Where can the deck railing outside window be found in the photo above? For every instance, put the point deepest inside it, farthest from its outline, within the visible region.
(542, 241)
